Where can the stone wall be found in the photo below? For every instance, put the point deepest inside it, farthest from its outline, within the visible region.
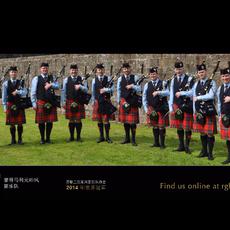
(165, 62)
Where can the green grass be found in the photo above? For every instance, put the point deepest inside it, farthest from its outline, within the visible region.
(90, 153)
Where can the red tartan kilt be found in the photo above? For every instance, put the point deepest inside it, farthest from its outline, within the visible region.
(162, 122)
(185, 124)
(224, 132)
(11, 119)
(42, 116)
(131, 118)
(210, 126)
(101, 117)
(80, 114)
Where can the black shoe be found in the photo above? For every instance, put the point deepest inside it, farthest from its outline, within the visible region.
(70, 140)
(13, 142)
(109, 140)
(48, 141)
(203, 154)
(180, 149)
(20, 142)
(125, 141)
(79, 140)
(155, 145)
(162, 147)
(210, 157)
(101, 139)
(42, 142)
(134, 144)
(226, 162)
(188, 150)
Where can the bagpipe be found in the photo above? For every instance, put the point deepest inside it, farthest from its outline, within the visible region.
(21, 102)
(206, 108)
(105, 104)
(84, 98)
(226, 113)
(25, 102)
(80, 97)
(160, 103)
(57, 98)
(3, 78)
(187, 103)
(50, 96)
(131, 97)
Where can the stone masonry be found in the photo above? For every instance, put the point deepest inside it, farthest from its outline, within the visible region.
(165, 62)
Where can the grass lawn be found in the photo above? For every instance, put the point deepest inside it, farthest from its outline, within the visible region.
(90, 153)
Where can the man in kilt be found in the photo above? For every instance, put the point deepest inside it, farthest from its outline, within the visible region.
(44, 102)
(127, 90)
(12, 90)
(74, 89)
(101, 95)
(155, 105)
(223, 96)
(181, 118)
(204, 111)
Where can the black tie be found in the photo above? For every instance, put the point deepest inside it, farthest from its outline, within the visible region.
(179, 80)
(14, 82)
(225, 88)
(202, 83)
(100, 79)
(154, 84)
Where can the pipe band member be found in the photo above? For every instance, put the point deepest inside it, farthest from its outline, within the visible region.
(223, 96)
(203, 93)
(127, 90)
(181, 118)
(155, 105)
(101, 100)
(12, 91)
(44, 102)
(74, 89)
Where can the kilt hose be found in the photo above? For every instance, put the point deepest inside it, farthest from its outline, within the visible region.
(99, 116)
(130, 118)
(186, 123)
(162, 121)
(42, 116)
(15, 119)
(209, 128)
(224, 132)
(74, 116)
